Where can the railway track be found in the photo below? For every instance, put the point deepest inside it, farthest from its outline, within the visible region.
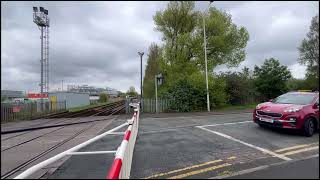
(109, 109)
(95, 111)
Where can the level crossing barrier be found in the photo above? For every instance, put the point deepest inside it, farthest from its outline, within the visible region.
(121, 165)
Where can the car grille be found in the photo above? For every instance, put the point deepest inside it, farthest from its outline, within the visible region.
(271, 114)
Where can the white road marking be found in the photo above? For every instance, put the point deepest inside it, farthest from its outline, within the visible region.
(247, 144)
(239, 122)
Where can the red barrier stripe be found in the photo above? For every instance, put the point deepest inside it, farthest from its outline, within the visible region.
(127, 135)
(115, 169)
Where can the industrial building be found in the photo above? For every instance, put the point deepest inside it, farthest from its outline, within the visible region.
(72, 99)
(9, 95)
(93, 91)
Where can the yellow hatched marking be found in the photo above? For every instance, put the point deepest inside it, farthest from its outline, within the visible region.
(199, 171)
(294, 147)
(301, 150)
(179, 170)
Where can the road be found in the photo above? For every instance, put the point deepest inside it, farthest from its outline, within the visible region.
(195, 145)
(300, 169)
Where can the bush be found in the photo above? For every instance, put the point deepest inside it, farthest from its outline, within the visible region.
(103, 97)
(189, 94)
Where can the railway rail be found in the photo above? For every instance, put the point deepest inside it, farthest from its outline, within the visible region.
(106, 110)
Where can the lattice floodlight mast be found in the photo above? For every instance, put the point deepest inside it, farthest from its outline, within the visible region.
(41, 19)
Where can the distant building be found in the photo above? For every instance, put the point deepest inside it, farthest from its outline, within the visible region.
(73, 99)
(92, 91)
(11, 95)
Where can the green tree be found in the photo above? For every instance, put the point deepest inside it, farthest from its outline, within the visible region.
(309, 53)
(239, 87)
(271, 78)
(298, 84)
(132, 92)
(152, 69)
(226, 41)
(103, 97)
(182, 57)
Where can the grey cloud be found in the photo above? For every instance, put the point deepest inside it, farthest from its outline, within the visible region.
(96, 43)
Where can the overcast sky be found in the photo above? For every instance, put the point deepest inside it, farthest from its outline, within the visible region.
(96, 43)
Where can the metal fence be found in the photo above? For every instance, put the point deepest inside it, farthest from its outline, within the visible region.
(30, 110)
(149, 105)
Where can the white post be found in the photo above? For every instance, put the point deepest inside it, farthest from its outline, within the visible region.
(206, 62)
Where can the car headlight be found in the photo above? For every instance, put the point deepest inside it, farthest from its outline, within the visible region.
(258, 106)
(292, 110)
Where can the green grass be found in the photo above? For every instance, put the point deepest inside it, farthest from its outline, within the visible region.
(76, 109)
(236, 107)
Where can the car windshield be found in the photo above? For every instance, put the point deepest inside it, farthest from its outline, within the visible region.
(294, 99)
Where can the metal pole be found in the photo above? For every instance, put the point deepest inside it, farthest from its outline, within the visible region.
(141, 76)
(155, 84)
(141, 95)
(205, 57)
(41, 67)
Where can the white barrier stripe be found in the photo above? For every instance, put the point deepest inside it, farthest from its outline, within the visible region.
(118, 133)
(92, 152)
(129, 128)
(36, 167)
(121, 151)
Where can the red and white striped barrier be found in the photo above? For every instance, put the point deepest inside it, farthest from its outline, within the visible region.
(121, 165)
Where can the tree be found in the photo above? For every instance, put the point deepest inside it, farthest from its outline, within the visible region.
(271, 78)
(152, 69)
(132, 92)
(182, 57)
(239, 87)
(103, 97)
(298, 84)
(225, 41)
(309, 53)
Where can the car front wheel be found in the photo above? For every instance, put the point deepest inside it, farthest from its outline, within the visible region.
(309, 127)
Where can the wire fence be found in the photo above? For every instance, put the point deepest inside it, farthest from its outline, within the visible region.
(30, 110)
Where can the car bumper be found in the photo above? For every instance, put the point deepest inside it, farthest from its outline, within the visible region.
(278, 123)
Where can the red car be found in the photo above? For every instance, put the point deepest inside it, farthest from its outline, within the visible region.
(293, 110)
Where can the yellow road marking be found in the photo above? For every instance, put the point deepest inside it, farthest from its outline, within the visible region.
(301, 150)
(294, 147)
(199, 171)
(179, 170)
(232, 157)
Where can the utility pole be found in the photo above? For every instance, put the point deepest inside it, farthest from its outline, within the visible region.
(141, 97)
(205, 57)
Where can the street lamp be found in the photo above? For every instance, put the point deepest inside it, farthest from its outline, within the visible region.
(141, 54)
(205, 55)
